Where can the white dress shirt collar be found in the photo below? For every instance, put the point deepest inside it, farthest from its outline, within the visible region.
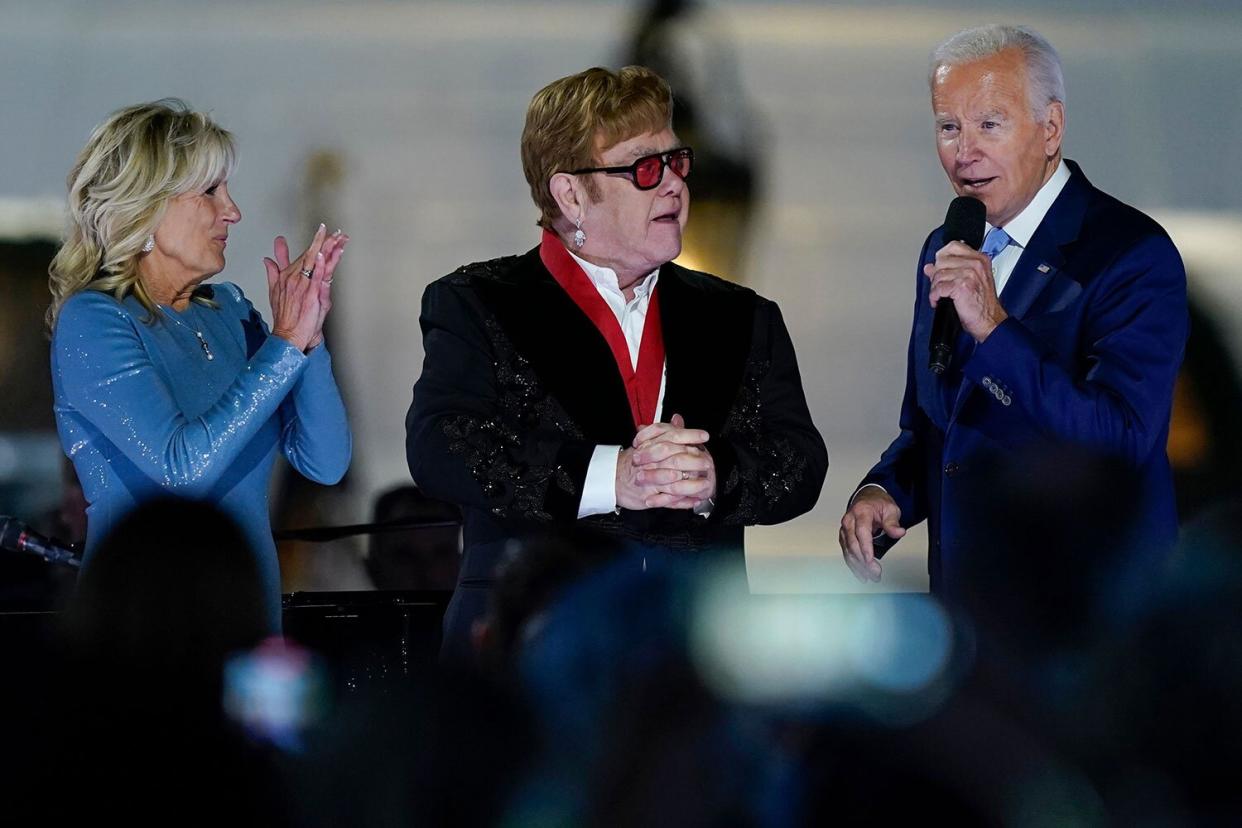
(1027, 222)
(605, 279)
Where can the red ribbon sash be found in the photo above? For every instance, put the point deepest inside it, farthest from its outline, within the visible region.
(642, 385)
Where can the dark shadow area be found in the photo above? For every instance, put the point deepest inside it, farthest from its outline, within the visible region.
(28, 449)
(425, 557)
(122, 721)
(1205, 443)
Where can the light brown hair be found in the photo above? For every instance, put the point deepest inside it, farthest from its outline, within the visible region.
(571, 119)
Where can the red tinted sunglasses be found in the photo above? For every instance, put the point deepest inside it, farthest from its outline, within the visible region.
(647, 172)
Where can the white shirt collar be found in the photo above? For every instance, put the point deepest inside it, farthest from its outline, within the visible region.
(1027, 222)
(605, 278)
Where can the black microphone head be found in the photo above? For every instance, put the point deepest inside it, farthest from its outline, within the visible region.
(964, 221)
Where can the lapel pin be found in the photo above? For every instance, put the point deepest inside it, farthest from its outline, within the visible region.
(1043, 268)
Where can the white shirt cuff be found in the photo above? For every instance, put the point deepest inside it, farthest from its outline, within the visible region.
(864, 486)
(599, 490)
(855, 495)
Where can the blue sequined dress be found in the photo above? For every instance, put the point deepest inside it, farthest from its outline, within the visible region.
(142, 411)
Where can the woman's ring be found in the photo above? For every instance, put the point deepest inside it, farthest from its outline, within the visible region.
(307, 272)
(685, 475)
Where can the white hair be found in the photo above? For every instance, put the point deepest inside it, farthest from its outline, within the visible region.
(1045, 81)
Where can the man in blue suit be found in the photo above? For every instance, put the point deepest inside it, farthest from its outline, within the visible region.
(1074, 322)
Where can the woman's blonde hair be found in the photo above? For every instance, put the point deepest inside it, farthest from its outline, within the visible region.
(567, 118)
(134, 162)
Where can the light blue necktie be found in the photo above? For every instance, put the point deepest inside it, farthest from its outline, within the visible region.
(996, 241)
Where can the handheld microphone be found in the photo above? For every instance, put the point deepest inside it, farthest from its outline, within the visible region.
(963, 222)
(16, 536)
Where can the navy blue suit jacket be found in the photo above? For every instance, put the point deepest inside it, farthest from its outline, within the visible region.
(1087, 358)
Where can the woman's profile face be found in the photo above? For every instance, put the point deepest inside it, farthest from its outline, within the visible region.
(194, 231)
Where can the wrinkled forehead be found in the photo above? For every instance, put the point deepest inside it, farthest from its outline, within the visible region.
(979, 91)
(635, 146)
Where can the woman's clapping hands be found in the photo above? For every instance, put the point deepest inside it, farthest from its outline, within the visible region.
(300, 289)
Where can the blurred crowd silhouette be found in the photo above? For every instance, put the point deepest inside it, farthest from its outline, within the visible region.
(1085, 686)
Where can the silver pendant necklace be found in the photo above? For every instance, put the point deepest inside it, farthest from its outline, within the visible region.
(202, 341)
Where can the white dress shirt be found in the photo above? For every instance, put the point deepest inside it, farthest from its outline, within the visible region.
(599, 490)
(1024, 226)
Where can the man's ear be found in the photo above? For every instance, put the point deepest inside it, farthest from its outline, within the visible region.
(565, 190)
(1054, 128)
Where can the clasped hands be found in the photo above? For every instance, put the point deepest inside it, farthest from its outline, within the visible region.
(300, 290)
(667, 467)
(964, 275)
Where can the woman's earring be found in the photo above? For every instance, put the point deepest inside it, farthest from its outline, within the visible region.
(149, 244)
(579, 236)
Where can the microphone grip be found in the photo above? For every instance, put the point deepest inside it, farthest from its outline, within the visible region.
(17, 537)
(946, 328)
(47, 549)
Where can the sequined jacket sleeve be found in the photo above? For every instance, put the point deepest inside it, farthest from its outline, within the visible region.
(108, 377)
(314, 431)
(476, 433)
(770, 459)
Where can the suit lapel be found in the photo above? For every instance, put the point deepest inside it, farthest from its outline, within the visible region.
(956, 391)
(1044, 256)
(707, 338)
(566, 351)
(935, 393)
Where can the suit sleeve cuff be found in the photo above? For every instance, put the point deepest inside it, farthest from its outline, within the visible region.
(599, 490)
(996, 356)
(879, 532)
(865, 486)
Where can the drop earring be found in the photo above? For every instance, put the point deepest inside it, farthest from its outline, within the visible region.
(579, 236)
(149, 244)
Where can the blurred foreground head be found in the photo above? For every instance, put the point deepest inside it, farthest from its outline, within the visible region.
(530, 579)
(174, 587)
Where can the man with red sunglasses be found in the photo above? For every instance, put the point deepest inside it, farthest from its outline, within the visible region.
(593, 383)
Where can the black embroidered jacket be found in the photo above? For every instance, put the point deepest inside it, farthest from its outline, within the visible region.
(518, 387)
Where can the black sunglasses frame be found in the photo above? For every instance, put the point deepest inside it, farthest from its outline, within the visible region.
(631, 170)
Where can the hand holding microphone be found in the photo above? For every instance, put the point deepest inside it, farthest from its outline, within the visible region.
(962, 290)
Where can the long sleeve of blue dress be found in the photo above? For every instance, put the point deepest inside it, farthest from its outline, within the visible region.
(141, 409)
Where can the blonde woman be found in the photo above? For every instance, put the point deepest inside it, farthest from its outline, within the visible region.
(165, 383)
